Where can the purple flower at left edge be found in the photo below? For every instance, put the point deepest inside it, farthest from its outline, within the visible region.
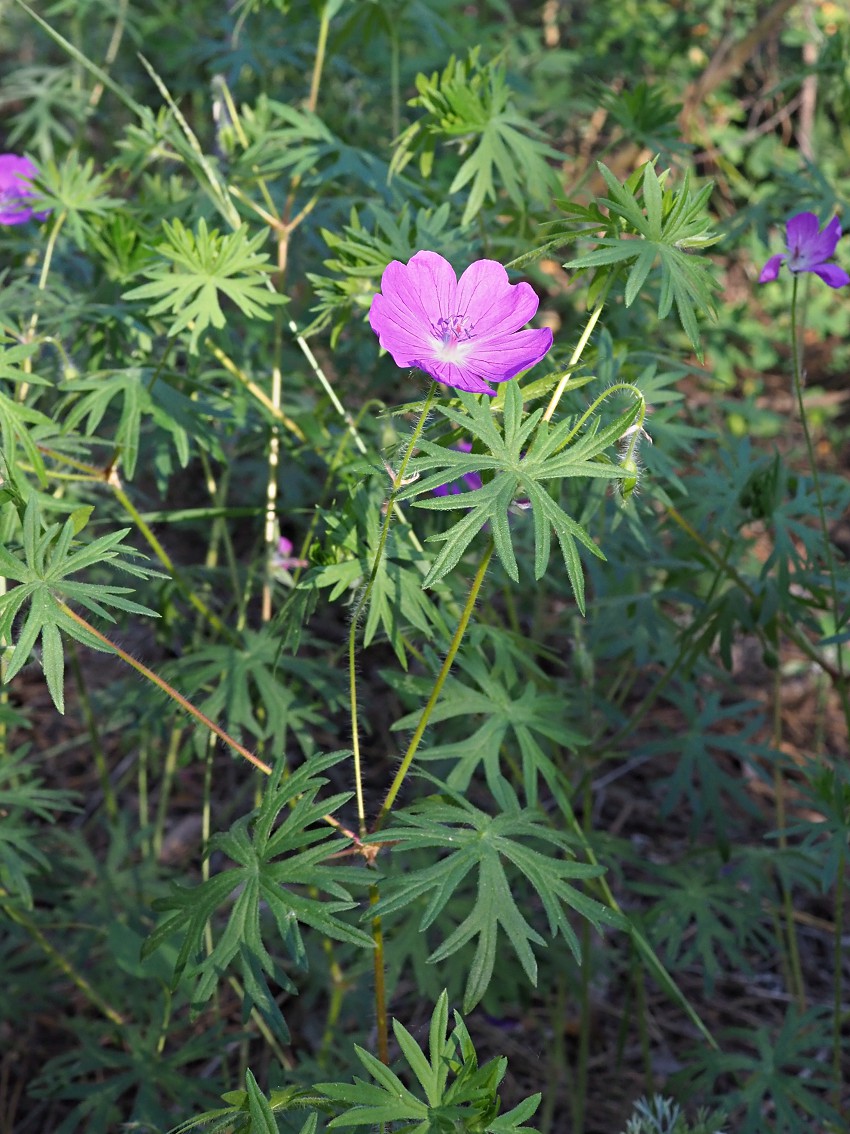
(472, 479)
(808, 250)
(15, 175)
(463, 332)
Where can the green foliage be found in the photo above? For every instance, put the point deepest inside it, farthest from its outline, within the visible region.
(361, 253)
(478, 843)
(199, 266)
(51, 553)
(469, 105)
(786, 1068)
(458, 1094)
(520, 468)
(647, 226)
(508, 704)
(658, 1115)
(638, 703)
(273, 866)
(24, 797)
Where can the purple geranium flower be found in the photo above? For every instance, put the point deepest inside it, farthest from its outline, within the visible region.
(465, 333)
(472, 479)
(808, 250)
(15, 175)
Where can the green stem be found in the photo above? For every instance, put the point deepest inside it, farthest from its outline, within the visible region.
(40, 287)
(407, 759)
(319, 63)
(59, 959)
(841, 680)
(796, 344)
(364, 599)
(577, 353)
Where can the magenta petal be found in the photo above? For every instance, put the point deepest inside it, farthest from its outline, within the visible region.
(771, 269)
(831, 274)
(493, 304)
(458, 377)
(500, 357)
(427, 285)
(15, 175)
(398, 331)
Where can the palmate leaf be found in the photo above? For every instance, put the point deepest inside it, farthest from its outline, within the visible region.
(488, 847)
(521, 469)
(200, 265)
(670, 226)
(471, 101)
(502, 708)
(279, 852)
(458, 1094)
(51, 555)
(21, 426)
(133, 387)
(256, 689)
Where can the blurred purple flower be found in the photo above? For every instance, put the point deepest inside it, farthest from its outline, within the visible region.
(808, 251)
(15, 174)
(282, 556)
(472, 479)
(465, 333)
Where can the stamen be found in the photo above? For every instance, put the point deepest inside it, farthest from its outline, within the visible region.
(455, 328)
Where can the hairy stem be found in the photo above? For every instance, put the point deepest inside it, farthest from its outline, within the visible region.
(155, 679)
(364, 599)
(407, 759)
(840, 680)
(577, 353)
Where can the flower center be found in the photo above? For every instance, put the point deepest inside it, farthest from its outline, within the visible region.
(454, 329)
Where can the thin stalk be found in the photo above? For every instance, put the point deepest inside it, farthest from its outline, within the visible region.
(380, 981)
(796, 343)
(841, 679)
(319, 63)
(407, 759)
(49, 249)
(155, 679)
(271, 498)
(169, 771)
(364, 599)
(111, 52)
(577, 353)
(795, 968)
(91, 994)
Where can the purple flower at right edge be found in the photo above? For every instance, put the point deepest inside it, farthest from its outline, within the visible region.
(15, 175)
(809, 249)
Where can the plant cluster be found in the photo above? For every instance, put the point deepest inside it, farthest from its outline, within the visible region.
(381, 489)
